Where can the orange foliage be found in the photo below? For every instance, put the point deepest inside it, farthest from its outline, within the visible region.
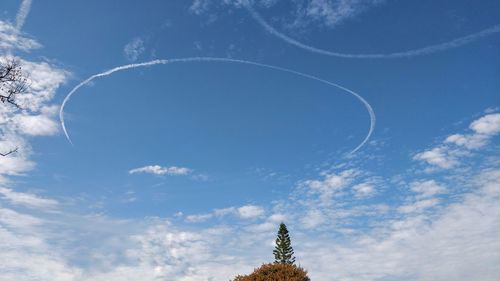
(276, 272)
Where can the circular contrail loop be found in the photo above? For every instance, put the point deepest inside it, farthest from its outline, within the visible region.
(215, 59)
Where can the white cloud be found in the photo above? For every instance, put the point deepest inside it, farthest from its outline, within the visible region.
(460, 240)
(364, 190)
(199, 7)
(36, 118)
(134, 49)
(250, 212)
(12, 39)
(44, 79)
(22, 14)
(448, 154)
(328, 13)
(313, 218)
(484, 129)
(331, 184)
(16, 163)
(36, 125)
(438, 156)
(17, 220)
(198, 218)
(459, 243)
(419, 206)
(224, 211)
(159, 170)
(427, 188)
(333, 12)
(27, 199)
(246, 212)
(471, 142)
(487, 125)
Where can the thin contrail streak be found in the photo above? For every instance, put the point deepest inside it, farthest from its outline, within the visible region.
(22, 14)
(404, 54)
(213, 59)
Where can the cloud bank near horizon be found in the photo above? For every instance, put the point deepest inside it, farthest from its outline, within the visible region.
(454, 226)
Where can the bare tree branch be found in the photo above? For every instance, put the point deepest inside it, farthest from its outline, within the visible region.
(13, 82)
(9, 152)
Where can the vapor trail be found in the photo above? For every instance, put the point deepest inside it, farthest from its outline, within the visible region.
(409, 53)
(213, 59)
(22, 14)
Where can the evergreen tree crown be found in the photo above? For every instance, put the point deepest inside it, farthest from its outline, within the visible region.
(283, 251)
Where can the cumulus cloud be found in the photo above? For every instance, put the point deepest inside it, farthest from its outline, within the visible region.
(36, 125)
(250, 212)
(439, 156)
(427, 188)
(36, 117)
(488, 125)
(448, 154)
(460, 240)
(483, 129)
(159, 170)
(44, 78)
(331, 184)
(364, 190)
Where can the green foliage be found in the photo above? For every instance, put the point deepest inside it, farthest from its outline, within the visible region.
(276, 272)
(283, 252)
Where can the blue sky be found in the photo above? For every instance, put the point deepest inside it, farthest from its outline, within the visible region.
(183, 170)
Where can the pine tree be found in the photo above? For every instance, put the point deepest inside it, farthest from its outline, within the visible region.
(283, 252)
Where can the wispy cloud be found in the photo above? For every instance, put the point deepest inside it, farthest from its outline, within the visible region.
(199, 7)
(27, 199)
(134, 49)
(245, 212)
(22, 14)
(159, 170)
(330, 13)
(458, 42)
(12, 39)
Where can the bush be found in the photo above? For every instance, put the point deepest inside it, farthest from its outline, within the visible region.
(276, 272)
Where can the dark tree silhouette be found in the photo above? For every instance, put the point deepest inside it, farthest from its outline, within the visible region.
(283, 252)
(13, 82)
